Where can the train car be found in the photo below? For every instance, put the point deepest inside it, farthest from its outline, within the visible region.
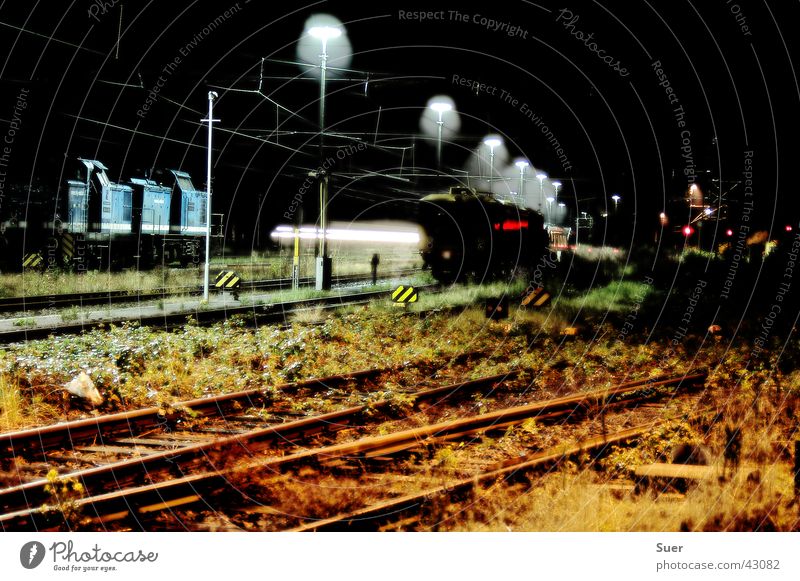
(473, 235)
(100, 224)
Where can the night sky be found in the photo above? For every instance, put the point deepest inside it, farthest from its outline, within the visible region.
(642, 98)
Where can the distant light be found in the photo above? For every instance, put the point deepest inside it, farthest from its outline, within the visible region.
(616, 198)
(693, 187)
(493, 142)
(324, 33)
(561, 205)
(441, 107)
(521, 164)
(663, 216)
(556, 185)
(688, 230)
(708, 211)
(729, 232)
(541, 176)
(788, 228)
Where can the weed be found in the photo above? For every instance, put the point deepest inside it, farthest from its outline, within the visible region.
(70, 314)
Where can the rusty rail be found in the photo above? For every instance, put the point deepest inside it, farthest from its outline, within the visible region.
(185, 489)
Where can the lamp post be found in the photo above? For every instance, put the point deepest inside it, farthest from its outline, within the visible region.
(616, 199)
(550, 200)
(440, 107)
(491, 142)
(541, 176)
(212, 96)
(323, 270)
(522, 165)
(557, 186)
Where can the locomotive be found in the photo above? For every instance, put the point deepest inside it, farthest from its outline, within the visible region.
(99, 224)
(471, 234)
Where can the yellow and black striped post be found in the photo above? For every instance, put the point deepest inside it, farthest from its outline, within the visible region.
(536, 298)
(228, 280)
(32, 260)
(67, 247)
(403, 295)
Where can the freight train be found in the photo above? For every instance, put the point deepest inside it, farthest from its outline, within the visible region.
(474, 235)
(99, 224)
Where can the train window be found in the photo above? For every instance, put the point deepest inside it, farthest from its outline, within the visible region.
(185, 183)
(190, 206)
(126, 206)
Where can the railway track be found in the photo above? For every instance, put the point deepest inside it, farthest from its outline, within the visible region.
(261, 314)
(405, 510)
(137, 490)
(31, 304)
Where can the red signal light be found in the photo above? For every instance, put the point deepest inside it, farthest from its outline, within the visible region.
(688, 231)
(729, 232)
(511, 225)
(788, 228)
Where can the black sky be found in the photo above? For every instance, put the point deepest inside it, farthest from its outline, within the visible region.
(621, 133)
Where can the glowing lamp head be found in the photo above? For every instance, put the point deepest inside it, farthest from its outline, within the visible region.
(556, 185)
(441, 107)
(521, 164)
(688, 231)
(541, 176)
(616, 198)
(324, 33)
(550, 199)
(492, 142)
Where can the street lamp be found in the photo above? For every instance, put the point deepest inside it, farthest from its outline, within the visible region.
(440, 107)
(522, 165)
(491, 142)
(541, 176)
(212, 96)
(557, 185)
(323, 271)
(616, 199)
(550, 200)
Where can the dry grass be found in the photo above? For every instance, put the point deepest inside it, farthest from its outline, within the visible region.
(19, 410)
(585, 501)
